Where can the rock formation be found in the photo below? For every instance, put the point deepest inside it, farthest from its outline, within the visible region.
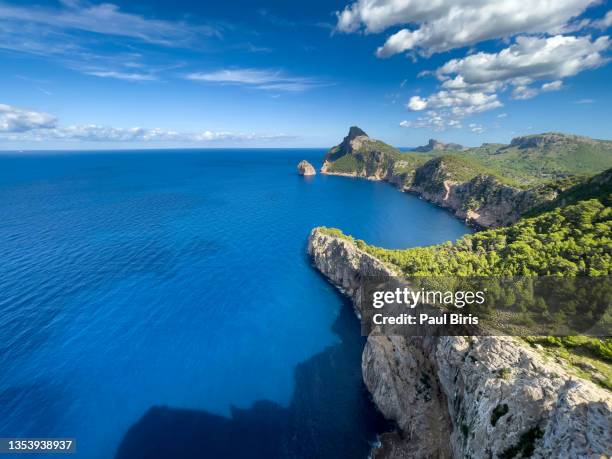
(477, 397)
(479, 199)
(436, 145)
(305, 168)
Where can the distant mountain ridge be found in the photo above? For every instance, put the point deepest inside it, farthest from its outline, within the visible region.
(491, 185)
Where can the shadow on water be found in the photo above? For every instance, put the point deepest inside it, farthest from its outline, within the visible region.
(330, 415)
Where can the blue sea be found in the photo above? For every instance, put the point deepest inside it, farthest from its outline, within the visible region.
(161, 304)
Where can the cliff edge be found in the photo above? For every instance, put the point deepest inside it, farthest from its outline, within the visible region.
(476, 397)
(490, 186)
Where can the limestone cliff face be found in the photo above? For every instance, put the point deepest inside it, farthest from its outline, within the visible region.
(446, 180)
(477, 397)
(483, 199)
(305, 168)
(360, 156)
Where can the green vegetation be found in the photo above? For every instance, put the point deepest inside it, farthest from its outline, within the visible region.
(498, 412)
(579, 188)
(372, 155)
(525, 445)
(346, 164)
(573, 240)
(542, 158)
(569, 241)
(526, 162)
(588, 357)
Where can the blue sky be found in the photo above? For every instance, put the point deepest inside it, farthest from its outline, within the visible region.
(88, 75)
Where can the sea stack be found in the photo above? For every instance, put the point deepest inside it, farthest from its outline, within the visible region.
(305, 168)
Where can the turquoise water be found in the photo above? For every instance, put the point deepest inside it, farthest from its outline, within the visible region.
(132, 281)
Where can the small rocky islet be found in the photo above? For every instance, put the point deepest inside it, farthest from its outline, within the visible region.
(305, 168)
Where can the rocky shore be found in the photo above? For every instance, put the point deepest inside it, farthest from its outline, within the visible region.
(447, 181)
(477, 397)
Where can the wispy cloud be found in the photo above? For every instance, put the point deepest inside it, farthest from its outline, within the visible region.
(121, 75)
(100, 39)
(274, 19)
(273, 80)
(108, 19)
(584, 101)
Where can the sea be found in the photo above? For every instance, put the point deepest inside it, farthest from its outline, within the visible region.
(161, 304)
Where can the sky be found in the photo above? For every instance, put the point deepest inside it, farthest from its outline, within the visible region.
(202, 74)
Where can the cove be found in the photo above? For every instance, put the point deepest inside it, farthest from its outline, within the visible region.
(144, 292)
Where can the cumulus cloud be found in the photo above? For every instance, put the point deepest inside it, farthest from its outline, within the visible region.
(433, 120)
(460, 103)
(441, 25)
(17, 124)
(95, 133)
(14, 119)
(273, 80)
(604, 22)
(530, 66)
(527, 60)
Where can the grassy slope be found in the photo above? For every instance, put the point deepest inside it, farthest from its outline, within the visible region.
(531, 166)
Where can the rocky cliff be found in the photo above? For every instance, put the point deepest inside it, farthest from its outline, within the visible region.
(449, 181)
(436, 145)
(305, 168)
(478, 397)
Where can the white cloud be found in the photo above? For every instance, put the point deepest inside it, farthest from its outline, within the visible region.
(127, 76)
(529, 59)
(17, 124)
(522, 92)
(585, 101)
(433, 120)
(14, 119)
(441, 25)
(552, 86)
(502, 115)
(107, 19)
(95, 133)
(461, 103)
(476, 128)
(473, 84)
(604, 22)
(273, 80)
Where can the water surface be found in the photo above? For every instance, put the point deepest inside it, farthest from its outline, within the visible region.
(133, 280)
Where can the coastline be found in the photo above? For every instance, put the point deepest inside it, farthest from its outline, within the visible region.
(449, 396)
(471, 223)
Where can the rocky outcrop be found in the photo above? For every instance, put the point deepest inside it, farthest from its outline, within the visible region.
(482, 200)
(436, 145)
(447, 181)
(305, 168)
(360, 156)
(477, 397)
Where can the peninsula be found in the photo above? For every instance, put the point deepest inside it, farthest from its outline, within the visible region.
(493, 396)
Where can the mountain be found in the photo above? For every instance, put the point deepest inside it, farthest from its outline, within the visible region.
(491, 185)
(543, 157)
(436, 145)
(359, 155)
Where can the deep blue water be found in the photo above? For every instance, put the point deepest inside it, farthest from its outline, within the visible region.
(179, 279)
